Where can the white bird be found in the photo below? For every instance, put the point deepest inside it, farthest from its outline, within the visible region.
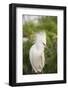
(36, 53)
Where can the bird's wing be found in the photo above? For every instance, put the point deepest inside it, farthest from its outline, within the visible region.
(36, 59)
(32, 57)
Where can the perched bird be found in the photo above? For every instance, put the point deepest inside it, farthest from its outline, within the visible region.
(36, 53)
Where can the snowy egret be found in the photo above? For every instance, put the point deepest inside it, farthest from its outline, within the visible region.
(36, 53)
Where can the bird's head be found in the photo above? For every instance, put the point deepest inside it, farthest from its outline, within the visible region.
(41, 38)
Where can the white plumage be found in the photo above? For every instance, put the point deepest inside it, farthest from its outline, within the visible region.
(36, 53)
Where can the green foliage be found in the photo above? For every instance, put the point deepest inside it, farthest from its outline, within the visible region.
(49, 25)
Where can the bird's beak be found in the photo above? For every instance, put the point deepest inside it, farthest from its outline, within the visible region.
(44, 44)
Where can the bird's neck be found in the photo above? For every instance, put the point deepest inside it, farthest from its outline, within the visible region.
(39, 45)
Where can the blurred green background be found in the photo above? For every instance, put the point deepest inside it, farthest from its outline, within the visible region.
(29, 28)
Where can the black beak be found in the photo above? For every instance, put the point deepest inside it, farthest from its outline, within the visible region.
(43, 43)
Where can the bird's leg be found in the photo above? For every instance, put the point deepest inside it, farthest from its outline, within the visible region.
(32, 69)
(42, 71)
